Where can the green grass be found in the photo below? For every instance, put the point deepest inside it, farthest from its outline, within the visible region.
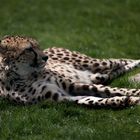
(99, 28)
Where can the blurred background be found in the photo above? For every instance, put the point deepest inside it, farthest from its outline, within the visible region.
(100, 28)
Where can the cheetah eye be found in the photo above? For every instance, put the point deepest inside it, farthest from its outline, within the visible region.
(29, 49)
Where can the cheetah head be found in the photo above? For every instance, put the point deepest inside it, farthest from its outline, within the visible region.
(21, 55)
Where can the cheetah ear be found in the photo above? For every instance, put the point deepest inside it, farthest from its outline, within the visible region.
(1, 38)
(5, 36)
(2, 46)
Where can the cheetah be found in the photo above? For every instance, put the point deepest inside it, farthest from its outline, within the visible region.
(29, 75)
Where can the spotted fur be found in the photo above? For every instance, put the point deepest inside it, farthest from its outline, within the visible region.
(29, 75)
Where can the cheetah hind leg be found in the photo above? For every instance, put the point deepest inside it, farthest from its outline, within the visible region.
(125, 69)
(99, 78)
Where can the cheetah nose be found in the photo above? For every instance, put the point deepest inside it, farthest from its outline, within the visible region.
(45, 58)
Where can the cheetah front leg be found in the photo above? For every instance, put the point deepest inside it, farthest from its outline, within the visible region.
(92, 101)
(109, 102)
(52, 92)
(95, 90)
(103, 96)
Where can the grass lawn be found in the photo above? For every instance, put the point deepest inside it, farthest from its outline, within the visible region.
(99, 28)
